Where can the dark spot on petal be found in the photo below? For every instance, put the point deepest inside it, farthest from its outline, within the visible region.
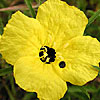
(62, 64)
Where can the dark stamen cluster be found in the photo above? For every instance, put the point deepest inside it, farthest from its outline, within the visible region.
(50, 57)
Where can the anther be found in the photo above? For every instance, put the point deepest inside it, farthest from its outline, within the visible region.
(47, 54)
(41, 54)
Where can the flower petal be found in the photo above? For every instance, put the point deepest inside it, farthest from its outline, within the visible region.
(22, 36)
(79, 55)
(61, 20)
(0, 37)
(34, 76)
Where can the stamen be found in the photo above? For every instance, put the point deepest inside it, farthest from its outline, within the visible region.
(47, 54)
(41, 54)
(43, 59)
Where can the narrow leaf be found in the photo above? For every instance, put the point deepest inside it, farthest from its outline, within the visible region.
(79, 89)
(73, 89)
(29, 5)
(97, 68)
(29, 96)
(9, 92)
(92, 18)
(85, 92)
(11, 78)
(5, 71)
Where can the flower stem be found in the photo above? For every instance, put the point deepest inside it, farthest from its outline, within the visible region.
(12, 85)
(8, 91)
(28, 3)
(91, 19)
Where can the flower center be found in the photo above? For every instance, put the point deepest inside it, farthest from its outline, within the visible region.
(47, 54)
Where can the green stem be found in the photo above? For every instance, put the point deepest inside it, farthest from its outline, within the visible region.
(69, 98)
(5, 71)
(1, 26)
(9, 92)
(28, 3)
(12, 85)
(40, 2)
(91, 19)
(28, 96)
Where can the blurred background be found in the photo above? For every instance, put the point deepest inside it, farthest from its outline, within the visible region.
(9, 90)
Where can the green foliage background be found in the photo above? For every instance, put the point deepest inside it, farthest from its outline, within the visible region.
(10, 91)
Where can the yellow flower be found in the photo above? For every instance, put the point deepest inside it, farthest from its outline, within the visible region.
(0, 37)
(50, 50)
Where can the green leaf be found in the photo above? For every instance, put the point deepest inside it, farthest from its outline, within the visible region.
(85, 92)
(9, 92)
(80, 96)
(97, 68)
(80, 4)
(80, 89)
(79, 92)
(1, 26)
(11, 78)
(90, 12)
(29, 96)
(73, 89)
(29, 5)
(91, 19)
(5, 71)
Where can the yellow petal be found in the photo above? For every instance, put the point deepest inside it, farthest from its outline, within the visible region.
(79, 55)
(22, 36)
(34, 76)
(61, 20)
(0, 37)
